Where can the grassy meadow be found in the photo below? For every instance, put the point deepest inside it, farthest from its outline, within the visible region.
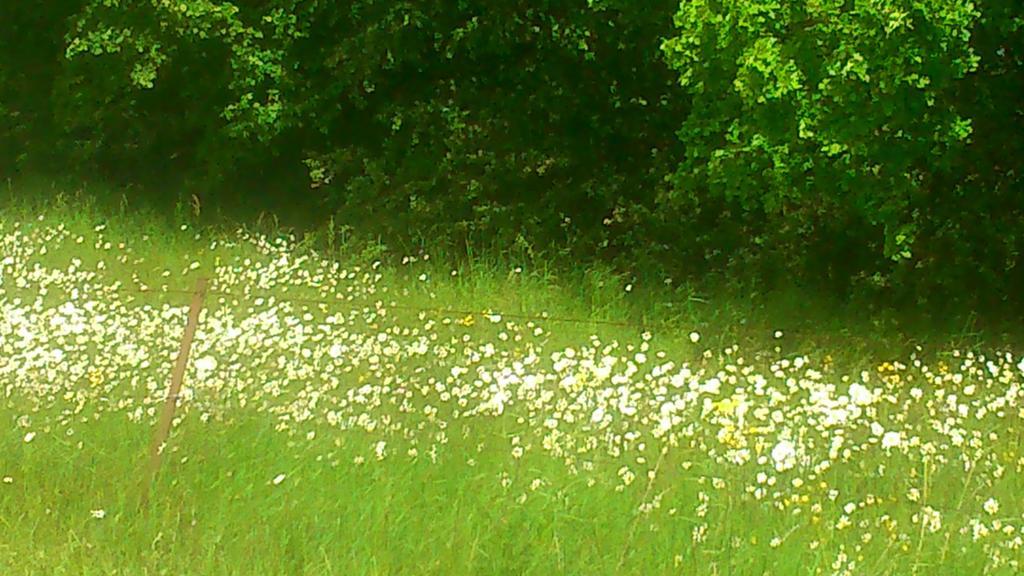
(366, 412)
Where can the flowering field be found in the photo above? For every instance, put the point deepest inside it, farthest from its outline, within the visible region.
(333, 420)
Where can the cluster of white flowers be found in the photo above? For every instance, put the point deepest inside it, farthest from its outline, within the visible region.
(782, 430)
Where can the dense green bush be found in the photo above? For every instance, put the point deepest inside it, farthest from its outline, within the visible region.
(31, 57)
(520, 119)
(840, 132)
(864, 143)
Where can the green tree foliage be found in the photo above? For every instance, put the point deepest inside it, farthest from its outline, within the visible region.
(876, 141)
(31, 49)
(502, 117)
(815, 118)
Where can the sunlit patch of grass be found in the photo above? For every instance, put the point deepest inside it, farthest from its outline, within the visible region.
(335, 419)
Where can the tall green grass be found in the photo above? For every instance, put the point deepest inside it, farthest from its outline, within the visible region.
(251, 486)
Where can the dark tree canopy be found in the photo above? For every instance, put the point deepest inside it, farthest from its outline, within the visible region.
(870, 144)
